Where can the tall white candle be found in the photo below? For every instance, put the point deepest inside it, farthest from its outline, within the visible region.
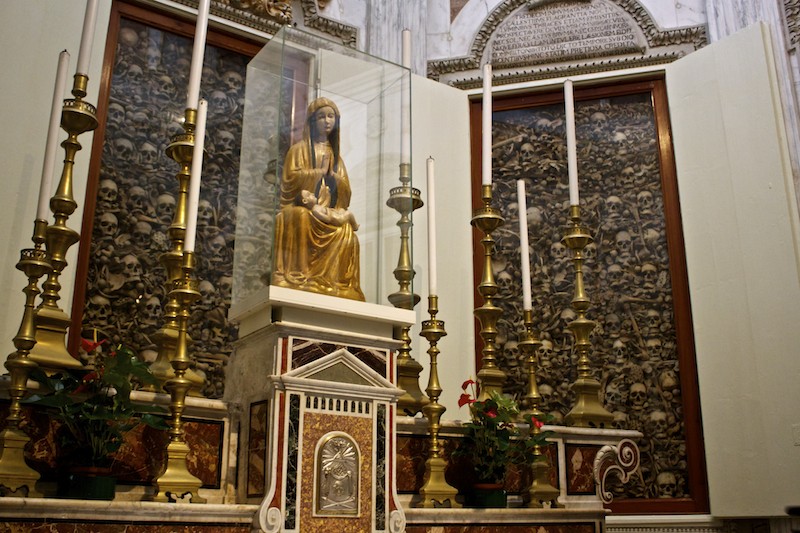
(406, 54)
(572, 149)
(405, 103)
(52, 136)
(87, 36)
(524, 250)
(198, 51)
(431, 231)
(196, 177)
(486, 127)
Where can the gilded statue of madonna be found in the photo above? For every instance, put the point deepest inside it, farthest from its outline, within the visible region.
(316, 246)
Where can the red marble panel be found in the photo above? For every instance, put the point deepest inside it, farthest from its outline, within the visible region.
(86, 527)
(580, 478)
(257, 449)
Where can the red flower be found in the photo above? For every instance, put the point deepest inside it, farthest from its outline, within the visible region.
(90, 346)
(465, 399)
(536, 422)
(467, 384)
(491, 412)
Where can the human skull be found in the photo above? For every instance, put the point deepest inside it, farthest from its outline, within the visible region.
(153, 56)
(613, 394)
(511, 351)
(165, 86)
(646, 202)
(132, 268)
(151, 311)
(614, 207)
(245, 251)
(649, 275)
(148, 155)
(620, 420)
(217, 246)
(547, 393)
(620, 350)
(205, 214)
(653, 320)
(598, 119)
(545, 353)
(567, 317)
(558, 252)
(165, 208)
(233, 81)
(667, 485)
(128, 37)
(137, 199)
(116, 114)
(224, 143)
(615, 276)
(590, 252)
(658, 424)
(208, 294)
(527, 152)
(504, 282)
(612, 325)
(219, 102)
(108, 192)
(623, 243)
(225, 286)
(108, 225)
(638, 395)
(140, 122)
(264, 223)
(142, 232)
(99, 310)
(135, 75)
(124, 150)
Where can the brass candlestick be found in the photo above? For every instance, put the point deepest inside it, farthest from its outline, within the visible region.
(528, 345)
(405, 200)
(588, 410)
(175, 481)
(180, 150)
(435, 491)
(50, 350)
(541, 490)
(14, 471)
(487, 219)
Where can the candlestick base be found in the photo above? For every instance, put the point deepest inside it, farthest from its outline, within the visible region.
(435, 491)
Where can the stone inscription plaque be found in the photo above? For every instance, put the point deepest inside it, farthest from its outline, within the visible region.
(565, 31)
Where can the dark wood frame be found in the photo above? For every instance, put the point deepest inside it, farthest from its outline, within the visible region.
(698, 484)
(163, 21)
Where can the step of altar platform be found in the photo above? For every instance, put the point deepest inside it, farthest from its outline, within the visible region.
(505, 520)
(51, 514)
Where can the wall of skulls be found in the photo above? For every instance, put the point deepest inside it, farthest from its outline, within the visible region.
(137, 190)
(627, 271)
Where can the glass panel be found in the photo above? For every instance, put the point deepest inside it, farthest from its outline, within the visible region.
(292, 233)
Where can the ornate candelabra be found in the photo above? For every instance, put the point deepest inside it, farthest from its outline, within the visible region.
(50, 350)
(588, 410)
(175, 481)
(435, 491)
(405, 200)
(14, 472)
(180, 150)
(487, 219)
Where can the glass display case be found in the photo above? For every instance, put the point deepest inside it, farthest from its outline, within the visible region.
(325, 129)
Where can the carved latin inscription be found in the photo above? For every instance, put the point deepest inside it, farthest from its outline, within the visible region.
(565, 31)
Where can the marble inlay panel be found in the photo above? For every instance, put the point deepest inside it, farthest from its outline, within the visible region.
(380, 469)
(305, 351)
(257, 449)
(315, 426)
(291, 459)
(83, 527)
(580, 477)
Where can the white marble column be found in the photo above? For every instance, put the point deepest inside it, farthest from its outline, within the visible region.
(726, 17)
(385, 23)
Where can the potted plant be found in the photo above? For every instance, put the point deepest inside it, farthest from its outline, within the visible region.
(93, 406)
(494, 441)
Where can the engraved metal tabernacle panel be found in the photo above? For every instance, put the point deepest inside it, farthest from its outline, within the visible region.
(336, 484)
